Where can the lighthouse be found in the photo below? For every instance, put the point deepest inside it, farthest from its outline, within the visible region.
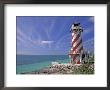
(76, 50)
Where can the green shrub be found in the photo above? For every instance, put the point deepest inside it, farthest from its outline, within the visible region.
(84, 69)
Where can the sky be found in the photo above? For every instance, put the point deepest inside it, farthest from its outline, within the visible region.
(50, 35)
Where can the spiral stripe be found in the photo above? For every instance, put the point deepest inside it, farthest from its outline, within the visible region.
(77, 46)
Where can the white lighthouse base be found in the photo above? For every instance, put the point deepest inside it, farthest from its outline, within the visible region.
(78, 59)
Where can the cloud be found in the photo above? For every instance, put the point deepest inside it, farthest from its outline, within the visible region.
(89, 42)
(91, 19)
(89, 45)
(47, 42)
(87, 31)
(28, 42)
(22, 36)
(25, 40)
(62, 40)
(48, 28)
(41, 43)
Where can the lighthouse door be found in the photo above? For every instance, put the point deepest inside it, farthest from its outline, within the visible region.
(78, 59)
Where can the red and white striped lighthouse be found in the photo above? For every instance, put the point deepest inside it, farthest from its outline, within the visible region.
(77, 47)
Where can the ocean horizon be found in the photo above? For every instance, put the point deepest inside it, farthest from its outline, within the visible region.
(29, 63)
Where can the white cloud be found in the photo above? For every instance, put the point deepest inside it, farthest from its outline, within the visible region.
(22, 36)
(87, 31)
(43, 43)
(91, 19)
(47, 42)
(88, 42)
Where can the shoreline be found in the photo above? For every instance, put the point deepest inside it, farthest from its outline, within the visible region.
(64, 68)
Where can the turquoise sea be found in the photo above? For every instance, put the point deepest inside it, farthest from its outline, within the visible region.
(29, 63)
